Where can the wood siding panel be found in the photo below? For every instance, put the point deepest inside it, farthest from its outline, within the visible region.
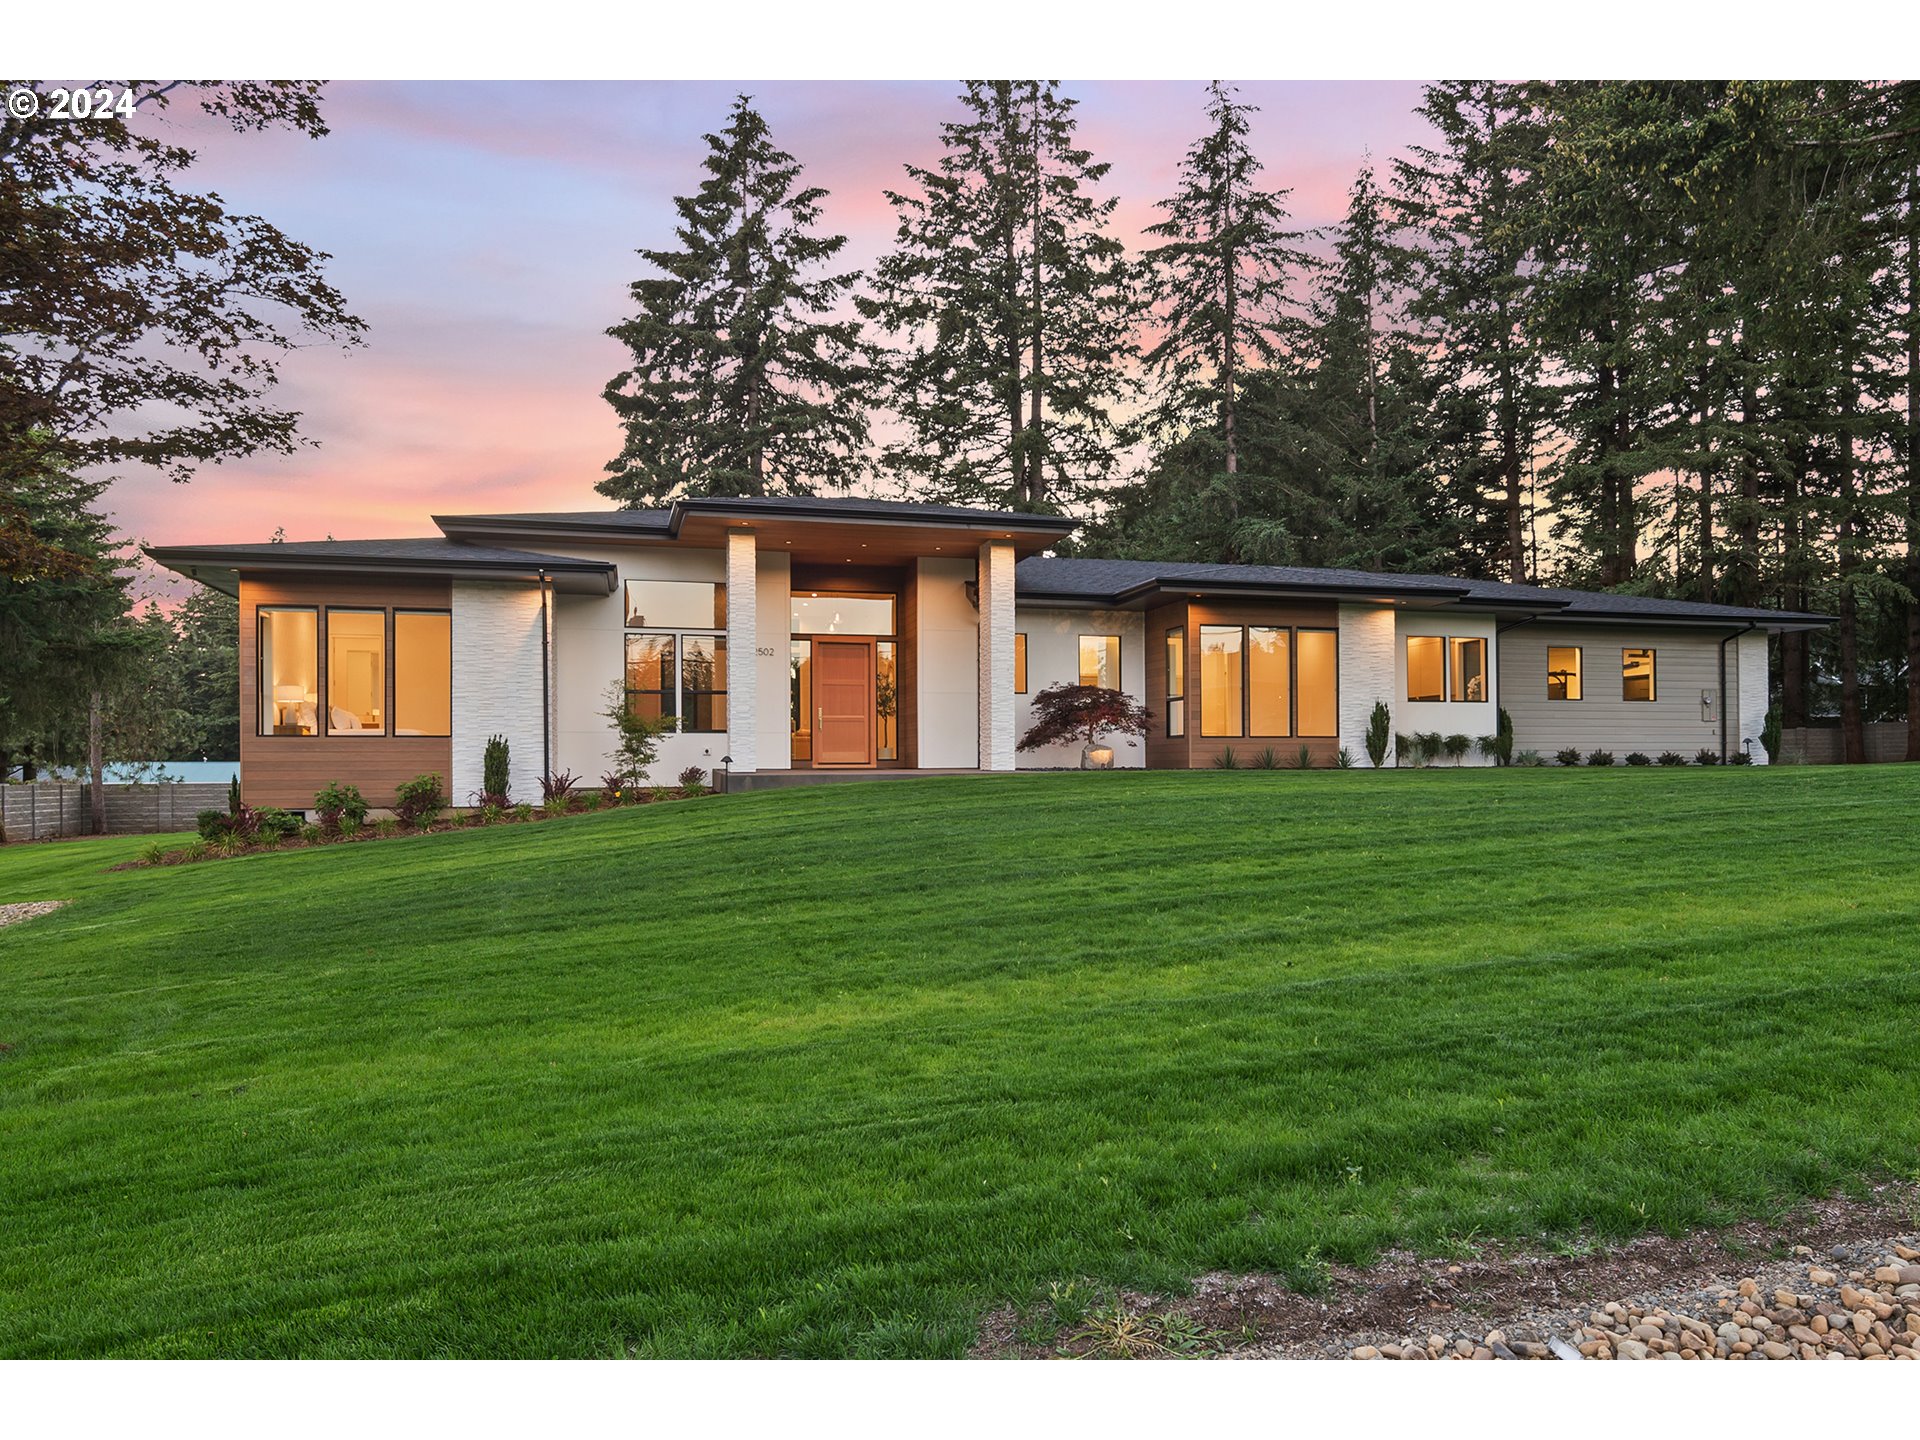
(907, 681)
(1301, 614)
(1686, 662)
(286, 770)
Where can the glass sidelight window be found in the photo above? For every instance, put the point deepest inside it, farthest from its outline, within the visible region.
(1019, 663)
(886, 700)
(289, 670)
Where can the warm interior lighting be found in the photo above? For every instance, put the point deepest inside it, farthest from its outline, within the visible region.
(356, 672)
(1426, 667)
(289, 671)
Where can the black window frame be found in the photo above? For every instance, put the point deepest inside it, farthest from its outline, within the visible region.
(1176, 730)
(1579, 670)
(1652, 697)
(393, 671)
(1119, 657)
(1293, 633)
(678, 714)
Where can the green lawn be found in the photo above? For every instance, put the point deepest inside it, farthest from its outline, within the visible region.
(832, 1071)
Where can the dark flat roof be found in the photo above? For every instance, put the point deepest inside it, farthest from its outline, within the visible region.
(1129, 583)
(425, 555)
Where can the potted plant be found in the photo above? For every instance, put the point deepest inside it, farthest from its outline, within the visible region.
(1066, 713)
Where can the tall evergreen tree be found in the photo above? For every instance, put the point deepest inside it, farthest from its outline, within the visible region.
(1469, 198)
(744, 379)
(1013, 305)
(1220, 278)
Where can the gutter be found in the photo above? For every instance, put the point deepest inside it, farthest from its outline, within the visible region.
(1725, 641)
(546, 684)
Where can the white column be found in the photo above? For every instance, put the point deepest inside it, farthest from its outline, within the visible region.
(496, 685)
(1366, 673)
(996, 656)
(1750, 652)
(743, 639)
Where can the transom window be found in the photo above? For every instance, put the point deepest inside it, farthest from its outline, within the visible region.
(1636, 675)
(1563, 672)
(818, 613)
(676, 605)
(1268, 681)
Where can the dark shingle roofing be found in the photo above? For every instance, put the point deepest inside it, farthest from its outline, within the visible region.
(1117, 580)
(826, 507)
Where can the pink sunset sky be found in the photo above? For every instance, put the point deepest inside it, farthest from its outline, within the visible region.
(486, 234)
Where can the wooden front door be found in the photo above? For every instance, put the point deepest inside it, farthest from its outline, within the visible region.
(842, 701)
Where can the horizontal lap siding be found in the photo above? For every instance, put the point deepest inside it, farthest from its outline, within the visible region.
(1686, 663)
(1301, 614)
(286, 770)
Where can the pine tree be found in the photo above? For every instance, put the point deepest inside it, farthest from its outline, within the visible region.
(1013, 305)
(1470, 198)
(743, 382)
(1220, 278)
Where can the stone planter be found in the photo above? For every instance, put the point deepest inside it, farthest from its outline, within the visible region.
(1096, 757)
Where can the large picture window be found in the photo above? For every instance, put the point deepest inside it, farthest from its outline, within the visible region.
(1100, 661)
(1317, 682)
(1426, 667)
(356, 672)
(1563, 672)
(288, 670)
(1222, 682)
(676, 605)
(679, 677)
(1468, 663)
(422, 672)
(1636, 675)
(1176, 682)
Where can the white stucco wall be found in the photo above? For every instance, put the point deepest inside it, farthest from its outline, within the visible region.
(1447, 717)
(1752, 662)
(1053, 658)
(1367, 674)
(948, 640)
(772, 662)
(993, 683)
(590, 650)
(496, 685)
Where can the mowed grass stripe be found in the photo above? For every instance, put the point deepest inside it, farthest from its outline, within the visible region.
(832, 1071)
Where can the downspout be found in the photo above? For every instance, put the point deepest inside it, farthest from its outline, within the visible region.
(1725, 641)
(546, 686)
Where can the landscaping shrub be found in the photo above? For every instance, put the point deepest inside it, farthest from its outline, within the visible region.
(637, 744)
(1402, 749)
(662, 792)
(1427, 745)
(1770, 732)
(312, 834)
(556, 792)
(1670, 757)
(591, 800)
(491, 814)
(195, 849)
(1457, 747)
(155, 853)
(1503, 738)
(270, 821)
(339, 807)
(1226, 759)
(494, 768)
(1379, 723)
(1636, 758)
(1302, 759)
(1568, 756)
(1267, 759)
(212, 824)
(233, 795)
(1600, 757)
(1705, 756)
(419, 801)
(1529, 759)
(386, 826)
(616, 787)
(523, 811)
(693, 781)
(1740, 757)
(1343, 759)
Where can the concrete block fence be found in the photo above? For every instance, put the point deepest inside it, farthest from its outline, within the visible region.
(48, 809)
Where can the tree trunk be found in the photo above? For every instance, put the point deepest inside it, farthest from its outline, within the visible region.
(1035, 435)
(96, 758)
(1229, 341)
(1795, 658)
(1853, 736)
(1745, 577)
(1510, 456)
(1913, 461)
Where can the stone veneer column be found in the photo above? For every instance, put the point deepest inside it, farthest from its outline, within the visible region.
(1750, 652)
(996, 656)
(743, 639)
(1366, 673)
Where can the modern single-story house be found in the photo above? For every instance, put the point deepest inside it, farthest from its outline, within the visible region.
(790, 634)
